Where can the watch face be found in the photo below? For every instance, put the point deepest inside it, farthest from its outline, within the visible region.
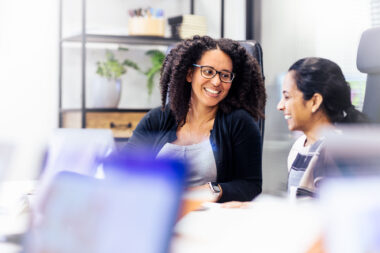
(216, 188)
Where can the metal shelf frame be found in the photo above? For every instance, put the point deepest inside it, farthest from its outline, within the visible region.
(123, 39)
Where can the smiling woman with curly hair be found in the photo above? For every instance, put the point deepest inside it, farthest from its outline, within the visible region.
(212, 93)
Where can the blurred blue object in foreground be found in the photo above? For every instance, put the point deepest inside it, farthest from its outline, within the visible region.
(133, 209)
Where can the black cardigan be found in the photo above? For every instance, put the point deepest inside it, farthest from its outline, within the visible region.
(236, 142)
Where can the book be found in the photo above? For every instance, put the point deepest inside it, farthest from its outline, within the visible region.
(187, 19)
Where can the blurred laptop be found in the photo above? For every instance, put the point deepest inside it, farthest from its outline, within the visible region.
(77, 150)
(349, 198)
(353, 152)
(133, 210)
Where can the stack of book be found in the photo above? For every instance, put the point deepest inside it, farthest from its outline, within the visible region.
(186, 26)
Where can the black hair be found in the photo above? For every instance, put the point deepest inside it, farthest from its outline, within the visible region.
(319, 75)
(247, 89)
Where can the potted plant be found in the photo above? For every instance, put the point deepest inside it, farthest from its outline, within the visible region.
(106, 89)
(157, 59)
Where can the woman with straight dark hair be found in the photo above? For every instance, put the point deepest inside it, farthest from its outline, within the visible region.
(315, 95)
(212, 92)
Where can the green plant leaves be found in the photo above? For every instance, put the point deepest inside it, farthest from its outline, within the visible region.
(112, 68)
(131, 64)
(157, 58)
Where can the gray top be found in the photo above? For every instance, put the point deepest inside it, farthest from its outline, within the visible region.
(302, 161)
(199, 157)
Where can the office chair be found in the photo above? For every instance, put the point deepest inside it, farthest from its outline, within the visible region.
(254, 48)
(368, 61)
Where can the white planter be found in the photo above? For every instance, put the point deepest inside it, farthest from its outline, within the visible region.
(105, 93)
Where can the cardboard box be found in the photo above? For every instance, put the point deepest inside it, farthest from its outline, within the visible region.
(146, 26)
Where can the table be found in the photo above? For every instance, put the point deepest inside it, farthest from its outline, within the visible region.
(270, 224)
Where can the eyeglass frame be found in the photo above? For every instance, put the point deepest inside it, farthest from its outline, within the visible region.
(216, 72)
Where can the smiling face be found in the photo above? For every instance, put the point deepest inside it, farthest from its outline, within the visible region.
(209, 92)
(297, 111)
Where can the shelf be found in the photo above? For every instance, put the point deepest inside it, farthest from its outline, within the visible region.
(107, 110)
(123, 39)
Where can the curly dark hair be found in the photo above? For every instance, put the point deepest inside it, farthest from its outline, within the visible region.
(319, 75)
(247, 90)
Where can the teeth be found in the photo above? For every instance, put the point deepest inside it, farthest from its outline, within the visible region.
(212, 91)
(288, 117)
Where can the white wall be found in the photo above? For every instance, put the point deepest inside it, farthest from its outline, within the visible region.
(28, 66)
(28, 76)
(294, 29)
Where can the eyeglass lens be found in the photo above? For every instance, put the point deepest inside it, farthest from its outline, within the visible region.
(208, 72)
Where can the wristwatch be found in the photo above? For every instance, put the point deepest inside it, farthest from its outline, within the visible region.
(215, 187)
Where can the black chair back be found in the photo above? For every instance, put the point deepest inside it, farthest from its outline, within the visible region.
(368, 62)
(254, 48)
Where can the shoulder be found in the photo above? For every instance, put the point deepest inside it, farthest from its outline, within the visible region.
(158, 113)
(240, 118)
(157, 117)
(237, 115)
(238, 121)
(297, 147)
(240, 113)
(299, 143)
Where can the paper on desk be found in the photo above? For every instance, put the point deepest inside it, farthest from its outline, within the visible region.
(270, 225)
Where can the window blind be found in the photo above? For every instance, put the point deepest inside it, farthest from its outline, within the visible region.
(375, 13)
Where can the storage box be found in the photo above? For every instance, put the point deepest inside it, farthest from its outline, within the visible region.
(146, 26)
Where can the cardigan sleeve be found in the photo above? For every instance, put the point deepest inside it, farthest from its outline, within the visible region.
(245, 160)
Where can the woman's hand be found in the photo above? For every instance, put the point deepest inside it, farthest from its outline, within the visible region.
(236, 204)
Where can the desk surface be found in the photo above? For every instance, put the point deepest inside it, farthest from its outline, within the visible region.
(268, 225)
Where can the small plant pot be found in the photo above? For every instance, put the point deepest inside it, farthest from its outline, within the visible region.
(105, 93)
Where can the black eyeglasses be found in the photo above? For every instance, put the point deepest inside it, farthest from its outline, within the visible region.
(209, 73)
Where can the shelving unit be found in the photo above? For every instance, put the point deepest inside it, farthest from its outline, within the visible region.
(121, 121)
(83, 114)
